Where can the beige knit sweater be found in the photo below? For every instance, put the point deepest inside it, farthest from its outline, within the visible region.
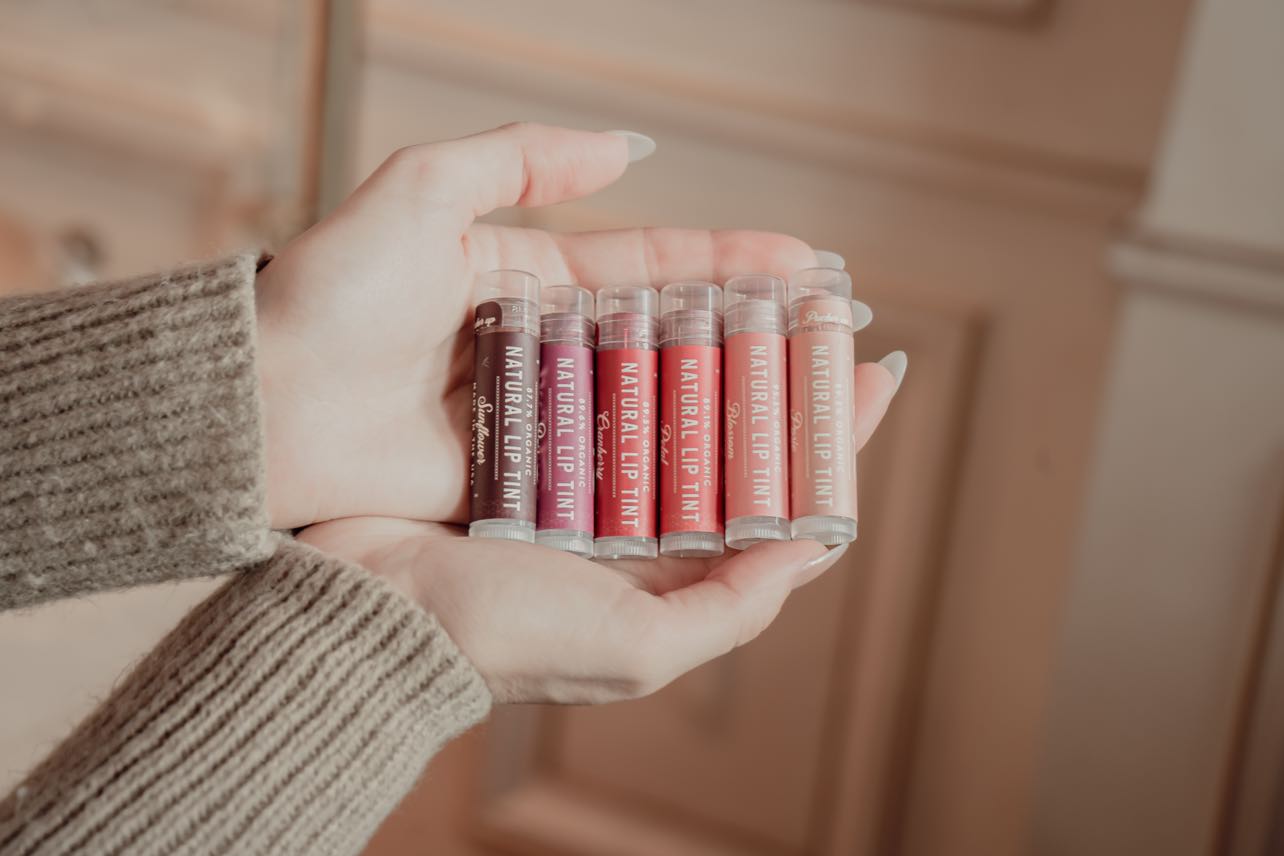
(289, 712)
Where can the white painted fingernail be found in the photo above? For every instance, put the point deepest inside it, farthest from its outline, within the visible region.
(833, 554)
(826, 259)
(862, 316)
(896, 362)
(640, 145)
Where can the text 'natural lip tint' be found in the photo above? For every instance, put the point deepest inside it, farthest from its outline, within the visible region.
(755, 434)
(690, 420)
(502, 474)
(565, 515)
(625, 427)
(821, 406)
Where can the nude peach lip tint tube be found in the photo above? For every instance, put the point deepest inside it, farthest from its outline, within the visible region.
(505, 377)
(565, 507)
(821, 406)
(690, 420)
(625, 427)
(756, 453)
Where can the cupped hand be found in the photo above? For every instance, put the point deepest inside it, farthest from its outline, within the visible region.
(365, 347)
(545, 626)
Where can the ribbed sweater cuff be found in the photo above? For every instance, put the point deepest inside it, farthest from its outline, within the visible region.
(288, 713)
(130, 447)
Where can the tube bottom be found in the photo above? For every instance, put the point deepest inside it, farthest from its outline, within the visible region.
(568, 540)
(691, 545)
(746, 531)
(625, 547)
(503, 529)
(828, 530)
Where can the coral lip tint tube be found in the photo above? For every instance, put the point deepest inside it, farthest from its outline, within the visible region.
(821, 406)
(757, 380)
(625, 426)
(565, 506)
(690, 420)
(505, 377)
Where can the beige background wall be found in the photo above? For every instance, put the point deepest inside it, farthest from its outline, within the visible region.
(1063, 563)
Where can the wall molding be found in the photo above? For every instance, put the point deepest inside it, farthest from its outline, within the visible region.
(1193, 267)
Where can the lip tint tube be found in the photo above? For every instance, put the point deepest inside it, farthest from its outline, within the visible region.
(757, 379)
(690, 420)
(565, 507)
(627, 389)
(502, 477)
(821, 406)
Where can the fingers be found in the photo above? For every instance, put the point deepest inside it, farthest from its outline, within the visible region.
(518, 164)
(875, 387)
(732, 605)
(660, 256)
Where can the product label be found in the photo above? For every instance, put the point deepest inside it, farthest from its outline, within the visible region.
(566, 437)
(821, 417)
(625, 429)
(690, 417)
(502, 475)
(756, 456)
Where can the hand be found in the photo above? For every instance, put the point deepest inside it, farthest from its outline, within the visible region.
(365, 348)
(545, 626)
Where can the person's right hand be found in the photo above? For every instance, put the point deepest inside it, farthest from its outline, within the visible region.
(365, 344)
(545, 626)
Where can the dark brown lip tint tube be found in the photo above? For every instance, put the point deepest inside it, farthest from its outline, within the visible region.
(502, 477)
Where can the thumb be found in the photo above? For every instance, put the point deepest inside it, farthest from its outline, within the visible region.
(733, 604)
(517, 164)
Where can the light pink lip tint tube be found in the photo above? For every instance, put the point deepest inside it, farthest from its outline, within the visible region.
(690, 420)
(565, 499)
(757, 379)
(625, 427)
(821, 406)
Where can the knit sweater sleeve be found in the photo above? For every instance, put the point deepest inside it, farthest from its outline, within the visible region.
(288, 713)
(130, 448)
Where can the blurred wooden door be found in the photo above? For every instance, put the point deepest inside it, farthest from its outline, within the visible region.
(971, 159)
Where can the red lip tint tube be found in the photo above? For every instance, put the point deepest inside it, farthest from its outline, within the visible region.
(505, 377)
(625, 427)
(690, 420)
(757, 380)
(565, 518)
(822, 406)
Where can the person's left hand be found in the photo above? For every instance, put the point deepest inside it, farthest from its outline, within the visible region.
(546, 626)
(365, 345)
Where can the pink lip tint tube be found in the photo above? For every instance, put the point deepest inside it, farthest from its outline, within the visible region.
(821, 406)
(625, 427)
(565, 507)
(505, 378)
(757, 378)
(690, 420)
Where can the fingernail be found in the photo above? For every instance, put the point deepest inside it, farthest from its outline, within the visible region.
(826, 259)
(896, 362)
(819, 565)
(640, 145)
(862, 316)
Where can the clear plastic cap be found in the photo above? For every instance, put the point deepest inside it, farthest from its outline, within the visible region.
(820, 298)
(566, 315)
(755, 303)
(691, 314)
(507, 300)
(627, 317)
(569, 299)
(516, 284)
